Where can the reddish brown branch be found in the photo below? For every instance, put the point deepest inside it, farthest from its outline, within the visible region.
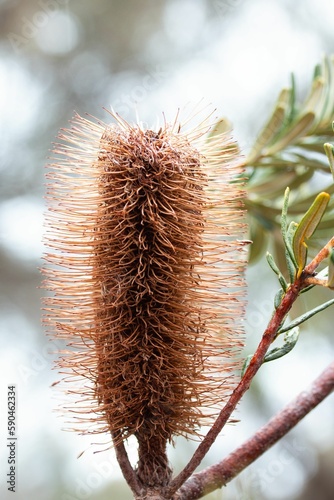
(221, 473)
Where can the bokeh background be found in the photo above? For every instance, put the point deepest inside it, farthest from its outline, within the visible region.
(145, 57)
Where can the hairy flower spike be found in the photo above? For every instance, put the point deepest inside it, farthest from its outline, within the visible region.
(146, 278)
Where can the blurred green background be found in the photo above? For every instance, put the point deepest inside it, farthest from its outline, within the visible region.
(146, 57)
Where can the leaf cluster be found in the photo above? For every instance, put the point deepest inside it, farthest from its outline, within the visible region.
(295, 238)
(291, 150)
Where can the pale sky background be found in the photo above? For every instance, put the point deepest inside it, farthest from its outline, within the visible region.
(143, 57)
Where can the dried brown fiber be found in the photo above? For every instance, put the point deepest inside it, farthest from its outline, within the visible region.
(145, 267)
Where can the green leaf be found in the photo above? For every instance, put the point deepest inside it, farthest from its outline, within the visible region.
(271, 128)
(283, 282)
(287, 234)
(329, 150)
(284, 224)
(278, 298)
(306, 228)
(315, 101)
(246, 364)
(289, 151)
(290, 258)
(292, 102)
(305, 317)
(290, 340)
(296, 130)
(291, 267)
(327, 72)
(272, 264)
(276, 270)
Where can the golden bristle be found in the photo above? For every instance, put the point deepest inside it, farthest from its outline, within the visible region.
(146, 276)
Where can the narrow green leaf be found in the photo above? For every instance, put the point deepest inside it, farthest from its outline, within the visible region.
(283, 282)
(306, 316)
(329, 150)
(270, 186)
(312, 164)
(276, 270)
(317, 71)
(278, 298)
(291, 267)
(315, 100)
(306, 228)
(292, 104)
(287, 233)
(327, 65)
(284, 224)
(271, 128)
(272, 264)
(246, 364)
(290, 340)
(290, 258)
(315, 144)
(296, 130)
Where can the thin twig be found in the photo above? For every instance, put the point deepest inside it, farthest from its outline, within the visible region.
(218, 475)
(126, 467)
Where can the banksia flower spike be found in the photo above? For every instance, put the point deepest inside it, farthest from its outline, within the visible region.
(145, 270)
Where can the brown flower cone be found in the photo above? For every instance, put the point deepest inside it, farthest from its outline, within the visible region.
(146, 278)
